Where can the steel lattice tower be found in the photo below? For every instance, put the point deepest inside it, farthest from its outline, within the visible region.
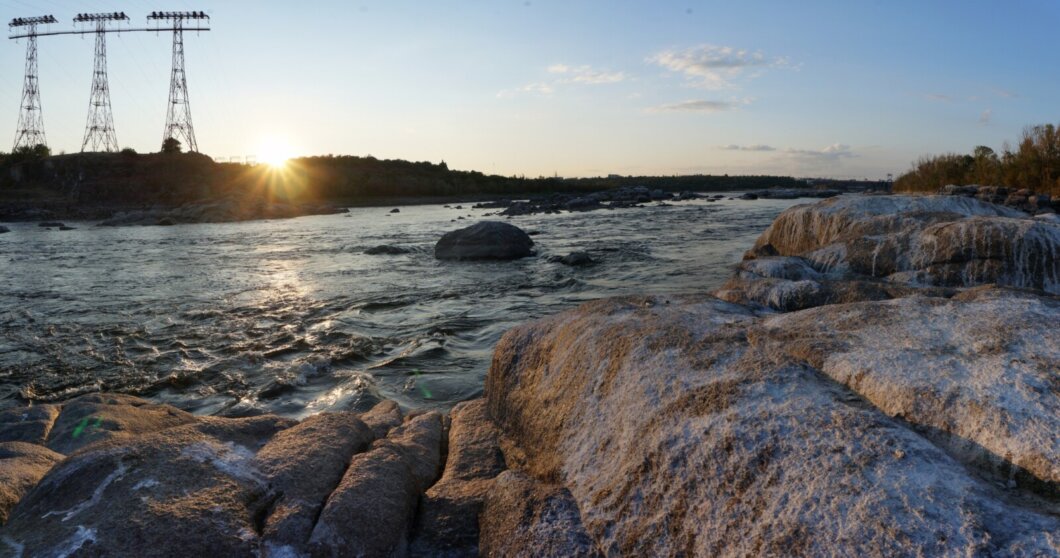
(99, 129)
(30, 131)
(178, 117)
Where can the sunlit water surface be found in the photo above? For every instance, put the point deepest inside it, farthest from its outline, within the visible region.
(291, 317)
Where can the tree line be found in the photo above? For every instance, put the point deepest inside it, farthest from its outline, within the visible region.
(1034, 164)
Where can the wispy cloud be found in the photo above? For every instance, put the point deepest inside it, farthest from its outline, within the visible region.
(581, 75)
(833, 152)
(985, 116)
(538, 88)
(585, 74)
(756, 147)
(1004, 93)
(938, 97)
(700, 106)
(712, 66)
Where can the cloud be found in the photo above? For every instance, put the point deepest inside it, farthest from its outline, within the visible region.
(585, 74)
(833, 152)
(701, 106)
(711, 66)
(756, 147)
(938, 97)
(985, 116)
(538, 88)
(1006, 94)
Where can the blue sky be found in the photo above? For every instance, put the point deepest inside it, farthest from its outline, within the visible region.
(576, 88)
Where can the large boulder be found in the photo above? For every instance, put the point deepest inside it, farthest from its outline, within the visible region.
(22, 465)
(923, 240)
(485, 240)
(693, 426)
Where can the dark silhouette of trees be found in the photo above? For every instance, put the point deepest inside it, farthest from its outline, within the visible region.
(171, 145)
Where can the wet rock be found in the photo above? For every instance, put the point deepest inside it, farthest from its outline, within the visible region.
(701, 427)
(28, 424)
(302, 465)
(193, 489)
(386, 249)
(371, 511)
(4, 229)
(448, 523)
(574, 259)
(66, 228)
(385, 416)
(94, 418)
(486, 240)
(748, 196)
(22, 465)
(50, 224)
(925, 240)
(395, 210)
(521, 514)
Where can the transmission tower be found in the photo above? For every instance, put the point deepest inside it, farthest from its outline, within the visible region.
(30, 131)
(99, 129)
(178, 117)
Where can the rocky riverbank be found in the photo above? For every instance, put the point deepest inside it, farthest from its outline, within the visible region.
(635, 196)
(879, 378)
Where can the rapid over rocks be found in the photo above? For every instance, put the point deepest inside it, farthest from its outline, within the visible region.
(818, 405)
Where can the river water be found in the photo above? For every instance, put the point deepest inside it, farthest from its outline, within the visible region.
(290, 316)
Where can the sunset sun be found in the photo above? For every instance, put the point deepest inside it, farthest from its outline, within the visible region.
(274, 152)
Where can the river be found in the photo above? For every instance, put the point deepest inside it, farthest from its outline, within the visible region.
(291, 317)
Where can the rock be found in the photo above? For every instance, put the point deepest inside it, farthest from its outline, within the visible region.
(387, 249)
(66, 228)
(926, 240)
(97, 417)
(789, 283)
(521, 514)
(395, 210)
(748, 196)
(21, 466)
(581, 204)
(303, 464)
(578, 258)
(4, 229)
(486, 240)
(448, 523)
(50, 224)
(193, 487)
(28, 424)
(383, 417)
(692, 426)
(371, 511)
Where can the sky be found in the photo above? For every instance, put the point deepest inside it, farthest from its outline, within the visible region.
(845, 89)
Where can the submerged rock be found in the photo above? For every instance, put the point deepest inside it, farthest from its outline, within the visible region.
(574, 259)
(4, 229)
(486, 240)
(386, 249)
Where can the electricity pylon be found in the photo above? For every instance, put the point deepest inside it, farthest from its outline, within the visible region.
(178, 116)
(99, 129)
(30, 131)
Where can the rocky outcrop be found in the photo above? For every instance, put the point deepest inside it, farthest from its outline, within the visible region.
(486, 240)
(940, 241)
(153, 480)
(684, 426)
(522, 513)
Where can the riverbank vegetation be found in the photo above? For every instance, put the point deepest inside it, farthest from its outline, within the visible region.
(1034, 164)
(35, 178)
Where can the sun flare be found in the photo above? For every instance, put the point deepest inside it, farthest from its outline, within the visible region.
(274, 152)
